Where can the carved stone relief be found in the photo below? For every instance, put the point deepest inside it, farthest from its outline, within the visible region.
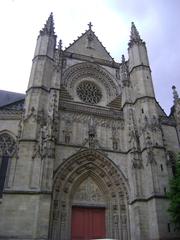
(7, 145)
(67, 132)
(150, 154)
(84, 118)
(115, 139)
(8, 152)
(88, 192)
(133, 131)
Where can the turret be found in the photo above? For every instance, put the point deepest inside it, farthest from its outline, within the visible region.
(140, 73)
(145, 133)
(38, 124)
(41, 78)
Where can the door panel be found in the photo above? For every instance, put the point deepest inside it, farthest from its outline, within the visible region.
(87, 223)
(98, 223)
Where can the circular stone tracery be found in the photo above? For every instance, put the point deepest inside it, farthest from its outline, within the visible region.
(89, 92)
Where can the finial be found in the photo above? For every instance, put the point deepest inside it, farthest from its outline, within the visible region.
(175, 94)
(48, 28)
(90, 25)
(134, 36)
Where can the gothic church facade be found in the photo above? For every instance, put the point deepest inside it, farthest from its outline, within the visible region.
(87, 152)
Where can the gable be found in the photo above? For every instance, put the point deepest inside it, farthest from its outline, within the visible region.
(89, 45)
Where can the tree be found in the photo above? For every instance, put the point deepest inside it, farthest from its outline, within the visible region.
(174, 195)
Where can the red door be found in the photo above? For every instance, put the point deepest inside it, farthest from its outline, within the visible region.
(87, 223)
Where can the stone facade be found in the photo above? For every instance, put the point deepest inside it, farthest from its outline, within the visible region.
(89, 133)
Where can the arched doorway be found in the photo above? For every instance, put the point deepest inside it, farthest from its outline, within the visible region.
(88, 183)
(88, 209)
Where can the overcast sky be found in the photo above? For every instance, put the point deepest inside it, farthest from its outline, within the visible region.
(156, 20)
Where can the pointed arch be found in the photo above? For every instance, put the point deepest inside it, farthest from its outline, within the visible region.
(111, 182)
(87, 159)
(94, 71)
(7, 143)
(7, 151)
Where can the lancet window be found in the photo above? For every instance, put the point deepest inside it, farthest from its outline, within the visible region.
(7, 149)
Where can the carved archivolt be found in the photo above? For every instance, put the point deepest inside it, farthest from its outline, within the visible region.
(83, 70)
(90, 177)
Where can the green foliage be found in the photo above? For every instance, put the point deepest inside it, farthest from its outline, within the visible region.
(174, 195)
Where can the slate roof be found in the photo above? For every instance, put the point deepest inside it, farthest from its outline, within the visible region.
(7, 97)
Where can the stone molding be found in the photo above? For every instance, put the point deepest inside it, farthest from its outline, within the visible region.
(80, 57)
(168, 121)
(84, 118)
(139, 67)
(86, 69)
(95, 110)
(154, 196)
(10, 115)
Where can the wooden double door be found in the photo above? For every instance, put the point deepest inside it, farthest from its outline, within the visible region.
(88, 223)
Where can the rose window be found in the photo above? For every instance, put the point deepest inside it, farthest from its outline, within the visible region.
(89, 92)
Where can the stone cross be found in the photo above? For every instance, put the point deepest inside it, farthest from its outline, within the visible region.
(90, 25)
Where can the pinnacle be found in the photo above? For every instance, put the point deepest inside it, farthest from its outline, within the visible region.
(124, 71)
(134, 36)
(175, 94)
(123, 59)
(60, 45)
(48, 28)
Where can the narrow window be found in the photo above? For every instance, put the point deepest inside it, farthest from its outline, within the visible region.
(172, 161)
(3, 170)
(169, 227)
(173, 167)
(162, 168)
(142, 110)
(164, 190)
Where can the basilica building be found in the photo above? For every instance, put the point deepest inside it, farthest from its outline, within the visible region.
(87, 152)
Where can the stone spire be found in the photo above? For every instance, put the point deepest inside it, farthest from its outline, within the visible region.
(175, 94)
(48, 28)
(134, 36)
